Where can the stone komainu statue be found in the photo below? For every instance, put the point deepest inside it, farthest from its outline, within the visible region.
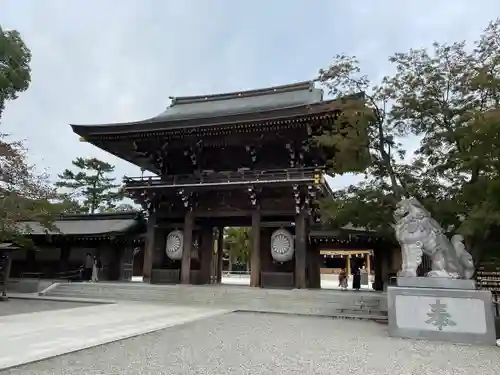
(418, 233)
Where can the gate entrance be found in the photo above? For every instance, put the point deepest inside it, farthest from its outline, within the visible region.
(237, 159)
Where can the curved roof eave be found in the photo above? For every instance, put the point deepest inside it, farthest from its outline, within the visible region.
(167, 122)
(183, 110)
(157, 124)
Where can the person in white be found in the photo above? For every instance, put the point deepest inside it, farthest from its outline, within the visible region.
(95, 277)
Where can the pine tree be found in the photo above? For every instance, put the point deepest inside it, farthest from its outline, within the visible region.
(92, 184)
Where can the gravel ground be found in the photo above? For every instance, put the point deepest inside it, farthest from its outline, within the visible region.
(23, 306)
(249, 344)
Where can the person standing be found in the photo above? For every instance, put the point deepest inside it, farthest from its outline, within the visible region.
(343, 279)
(356, 278)
(95, 270)
(99, 267)
(87, 267)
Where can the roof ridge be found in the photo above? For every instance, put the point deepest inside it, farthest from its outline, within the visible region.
(101, 216)
(126, 215)
(305, 85)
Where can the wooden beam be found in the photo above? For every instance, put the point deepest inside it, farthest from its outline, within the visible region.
(229, 214)
(166, 187)
(345, 252)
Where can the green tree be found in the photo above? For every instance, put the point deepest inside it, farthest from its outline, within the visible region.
(368, 205)
(24, 194)
(92, 184)
(237, 244)
(451, 97)
(15, 73)
(124, 207)
(365, 205)
(66, 204)
(364, 123)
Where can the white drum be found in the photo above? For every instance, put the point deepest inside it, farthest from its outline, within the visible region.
(282, 245)
(175, 243)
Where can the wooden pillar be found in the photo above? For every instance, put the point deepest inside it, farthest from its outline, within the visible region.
(7, 263)
(205, 254)
(214, 262)
(187, 247)
(147, 264)
(348, 264)
(64, 257)
(30, 261)
(114, 266)
(378, 265)
(255, 265)
(314, 266)
(220, 253)
(300, 250)
(368, 263)
(160, 247)
(266, 258)
(386, 266)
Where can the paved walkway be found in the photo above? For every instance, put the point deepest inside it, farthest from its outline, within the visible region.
(34, 336)
(263, 344)
(327, 281)
(24, 305)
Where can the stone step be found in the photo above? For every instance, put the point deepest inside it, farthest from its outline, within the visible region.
(204, 288)
(206, 296)
(312, 295)
(218, 292)
(304, 302)
(296, 309)
(116, 295)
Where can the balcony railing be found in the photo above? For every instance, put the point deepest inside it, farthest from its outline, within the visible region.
(225, 178)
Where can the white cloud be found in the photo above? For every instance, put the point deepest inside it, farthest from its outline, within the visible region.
(109, 61)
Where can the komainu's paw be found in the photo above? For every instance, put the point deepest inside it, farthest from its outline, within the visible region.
(439, 273)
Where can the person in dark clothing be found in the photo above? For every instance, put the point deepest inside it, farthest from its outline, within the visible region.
(98, 265)
(79, 276)
(87, 267)
(356, 278)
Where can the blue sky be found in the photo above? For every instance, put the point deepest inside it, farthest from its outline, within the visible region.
(98, 61)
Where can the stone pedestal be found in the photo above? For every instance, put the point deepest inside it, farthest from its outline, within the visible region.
(436, 283)
(441, 313)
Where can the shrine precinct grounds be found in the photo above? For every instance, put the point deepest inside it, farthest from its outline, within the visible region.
(237, 343)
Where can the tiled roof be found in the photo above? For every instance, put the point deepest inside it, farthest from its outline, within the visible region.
(84, 225)
(199, 108)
